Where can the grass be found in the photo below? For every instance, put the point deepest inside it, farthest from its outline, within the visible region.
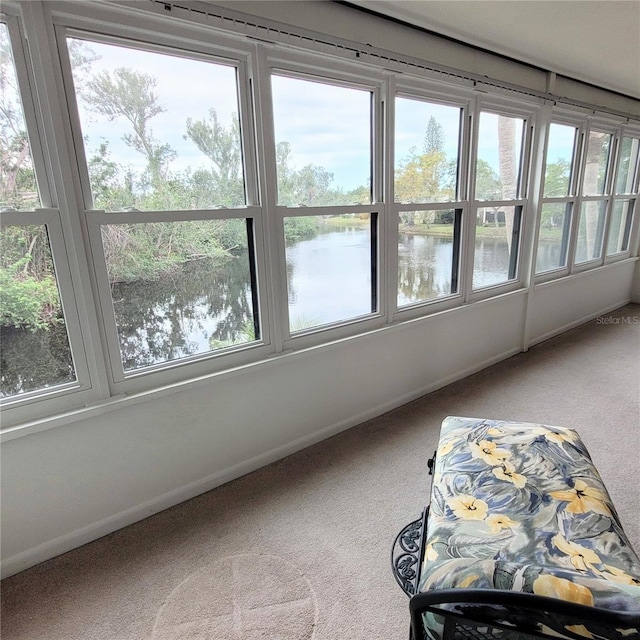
(439, 230)
(446, 231)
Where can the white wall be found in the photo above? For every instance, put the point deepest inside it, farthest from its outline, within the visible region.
(70, 484)
(635, 288)
(562, 304)
(356, 26)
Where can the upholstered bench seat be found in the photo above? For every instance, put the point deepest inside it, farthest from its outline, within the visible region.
(521, 508)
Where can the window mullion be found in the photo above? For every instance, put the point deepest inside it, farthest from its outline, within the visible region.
(274, 264)
(389, 244)
(532, 221)
(580, 159)
(48, 81)
(469, 222)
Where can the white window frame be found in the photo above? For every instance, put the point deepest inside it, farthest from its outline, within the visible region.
(37, 404)
(631, 197)
(194, 44)
(450, 96)
(529, 112)
(577, 121)
(274, 61)
(74, 228)
(601, 124)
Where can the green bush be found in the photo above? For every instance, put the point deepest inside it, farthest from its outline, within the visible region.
(27, 302)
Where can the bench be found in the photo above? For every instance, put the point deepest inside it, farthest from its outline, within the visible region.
(520, 540)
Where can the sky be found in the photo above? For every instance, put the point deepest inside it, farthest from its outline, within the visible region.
(186, 88)
(561, 140)
(326, 125)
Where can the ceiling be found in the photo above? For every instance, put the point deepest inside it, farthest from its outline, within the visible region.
(596, 41)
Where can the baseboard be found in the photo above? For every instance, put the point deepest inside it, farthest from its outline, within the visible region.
(576, 323)
(29, 558)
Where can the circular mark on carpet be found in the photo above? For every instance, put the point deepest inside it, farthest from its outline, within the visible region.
(242, 597)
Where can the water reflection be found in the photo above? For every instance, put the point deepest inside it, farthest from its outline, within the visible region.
(490, 262)
(199, 308)
(424, 268)
(34, 360)
(329, 277)
(202, 307)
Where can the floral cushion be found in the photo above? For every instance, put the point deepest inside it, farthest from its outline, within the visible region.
(521, 507)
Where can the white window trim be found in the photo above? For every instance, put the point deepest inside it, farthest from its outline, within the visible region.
(36, 404)
(314, 68)
(195, 34)
(172, 371)
(440, 94)
(529, 113)
(52, 399)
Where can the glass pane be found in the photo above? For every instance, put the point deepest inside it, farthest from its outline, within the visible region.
(499, 159)
(595, 170)
(496, 248)
(620, 226)
(323, 143)
(590, 231)
(427, 171)
(18, 189)
(559, 161)
(328, 269)
(627, 165)
(555, 227)
(35, 351)
(179, 289)
(427, 259)
(161, 132)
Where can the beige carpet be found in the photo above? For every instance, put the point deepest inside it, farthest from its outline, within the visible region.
(300, 550)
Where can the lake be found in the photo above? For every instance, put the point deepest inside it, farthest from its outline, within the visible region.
(202, 307)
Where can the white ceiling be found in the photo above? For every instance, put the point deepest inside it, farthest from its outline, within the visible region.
(596, 41)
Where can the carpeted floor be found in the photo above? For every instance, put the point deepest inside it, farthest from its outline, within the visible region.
(299, 550)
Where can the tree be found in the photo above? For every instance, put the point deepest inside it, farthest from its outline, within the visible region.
(129, 94)
(222, 146)
(426, 177)
(433, 137)
(17, 178)
(29, 295)
(556, 178)
(308, 186)
(488, 185)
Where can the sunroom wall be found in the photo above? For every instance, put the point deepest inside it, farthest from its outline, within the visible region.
(82, 475)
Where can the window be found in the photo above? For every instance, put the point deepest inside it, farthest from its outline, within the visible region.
(36, 355)
(321, 159)
(593, 210)
(165, 166)
(324, 163)
(597, 163)
(160, 132)
(499, 189)
(426, 169)
(169, 306)
(558, 198)
(623, 206)
(620, 226)
(627, 165)
(178, 202)
(590, 230)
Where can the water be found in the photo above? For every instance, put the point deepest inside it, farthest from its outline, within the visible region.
(203, 308)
